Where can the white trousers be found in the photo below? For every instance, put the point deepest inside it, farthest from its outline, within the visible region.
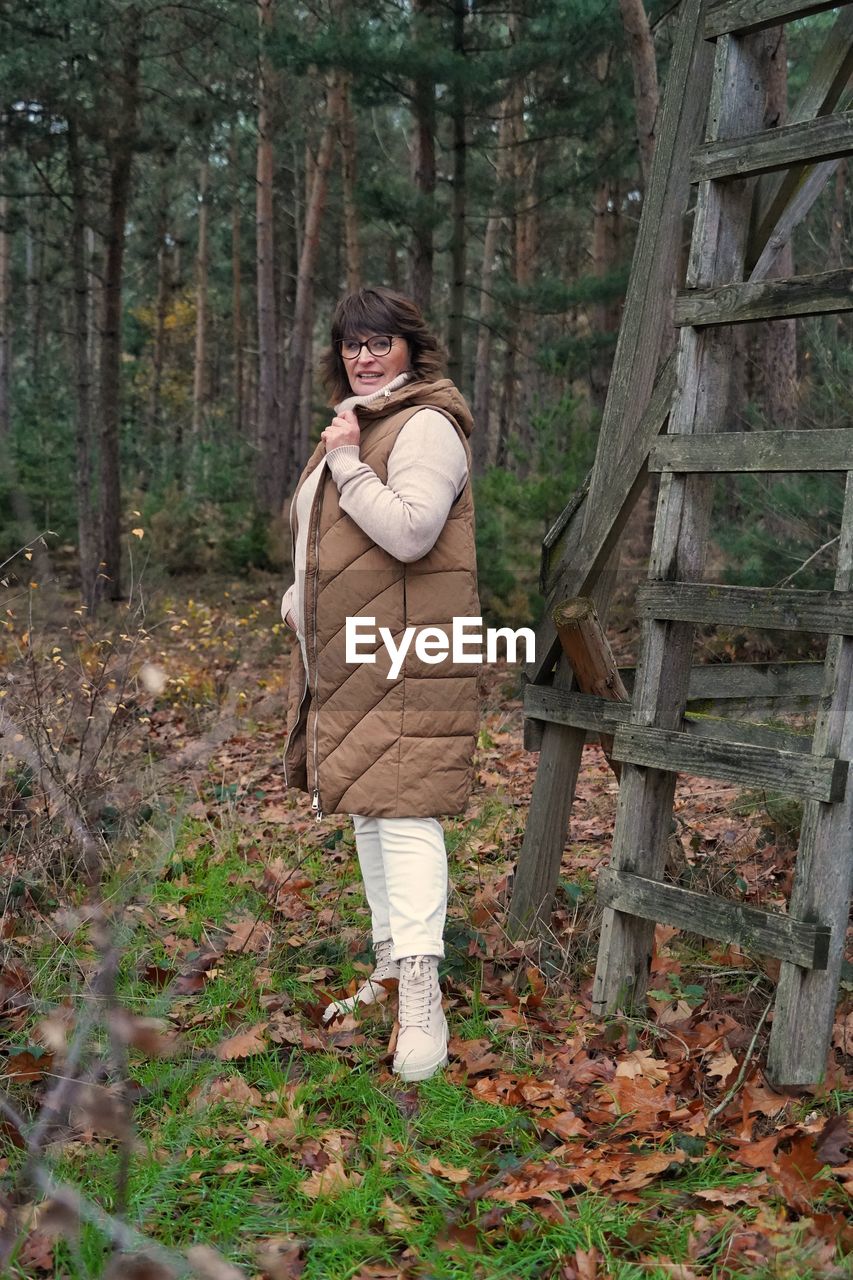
(404, 866)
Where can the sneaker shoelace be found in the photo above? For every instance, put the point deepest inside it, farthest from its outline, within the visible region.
(415, 992)
(385, 967)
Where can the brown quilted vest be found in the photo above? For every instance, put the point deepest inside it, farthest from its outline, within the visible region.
(386, 748)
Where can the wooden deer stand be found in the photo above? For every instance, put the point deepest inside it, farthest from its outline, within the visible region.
(754, 187)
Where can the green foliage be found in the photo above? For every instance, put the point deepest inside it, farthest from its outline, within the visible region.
(770, 526)
(192, 534)
(35, 493)
(515, 508)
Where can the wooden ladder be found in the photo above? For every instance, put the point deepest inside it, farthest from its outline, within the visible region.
(651, 741)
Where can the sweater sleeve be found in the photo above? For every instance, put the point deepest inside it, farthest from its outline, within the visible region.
(287, 601)
(427, 470)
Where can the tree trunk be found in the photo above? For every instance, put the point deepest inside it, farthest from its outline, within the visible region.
(122, 149)
(456, 316)
(161, 307)
(87, 531)
(777, 342)
(269, 426)
(526, 229)
(485, 439)
(5, 321)
(287, 463)
(200, 381)
(641, 48)
(606, 236)
(352, 246)
(34, 264)
(236, 288)
(767, 352)
(423, 173)
(509, 406)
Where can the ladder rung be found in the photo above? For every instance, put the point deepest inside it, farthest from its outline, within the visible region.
(827, 612)
(711, 916)
(753, 15)
(830, 450)
(825, 138)
(766, 300)
(810, 777)
(601, 715)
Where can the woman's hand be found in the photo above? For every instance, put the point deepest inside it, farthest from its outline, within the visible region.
(343, 429)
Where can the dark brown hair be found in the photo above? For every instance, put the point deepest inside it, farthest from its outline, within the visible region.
(380, 310)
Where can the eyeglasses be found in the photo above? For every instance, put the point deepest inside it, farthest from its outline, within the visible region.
(378, 345)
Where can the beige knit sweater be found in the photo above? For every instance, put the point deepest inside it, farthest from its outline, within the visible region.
(427, 470)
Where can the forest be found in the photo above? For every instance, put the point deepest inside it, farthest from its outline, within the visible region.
(187, 187)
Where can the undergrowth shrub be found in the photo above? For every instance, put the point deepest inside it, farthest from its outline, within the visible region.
(515, 509)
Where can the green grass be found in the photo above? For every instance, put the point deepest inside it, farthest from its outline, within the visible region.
(180, 1192)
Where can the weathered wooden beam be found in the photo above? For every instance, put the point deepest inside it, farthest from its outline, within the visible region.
(827, 612)
(811, 777)
(679, 546)
(564, 533)
(735, 451)
(826, 138)
(601, 717)
(782, 200)
(591, 658)
(768, 300)
(538, 867)
(743, 16)
(725, 681)
(805, 1002)
(765, 932)
(575, 560)
(813, 179)
(637, 400)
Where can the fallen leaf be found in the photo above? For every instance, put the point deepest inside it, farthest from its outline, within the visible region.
(399, 1220)
(231, 1090)
(646, 1168)
(583, 1265)
(476, 1056)
(330, 1181)
(721, 1065)
(249, 936)
(36, 1255)
(448, 1171)
(835, 1141)
(565, 1125)
(24, 1065)
(244, 1045)
(642, 1063)
(758, 1099)
(752, 1193)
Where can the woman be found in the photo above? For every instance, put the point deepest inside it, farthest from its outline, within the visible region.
(383, 530)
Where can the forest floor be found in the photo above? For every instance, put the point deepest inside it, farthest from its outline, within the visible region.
(171, 1090)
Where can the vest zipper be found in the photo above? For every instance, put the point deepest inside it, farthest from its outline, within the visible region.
(295, 723)
(290, 516)
(316, 806)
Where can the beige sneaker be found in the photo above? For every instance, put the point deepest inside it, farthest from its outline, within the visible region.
(422, 1038)
(371, 989)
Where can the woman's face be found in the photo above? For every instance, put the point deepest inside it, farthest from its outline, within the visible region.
(368, 373)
